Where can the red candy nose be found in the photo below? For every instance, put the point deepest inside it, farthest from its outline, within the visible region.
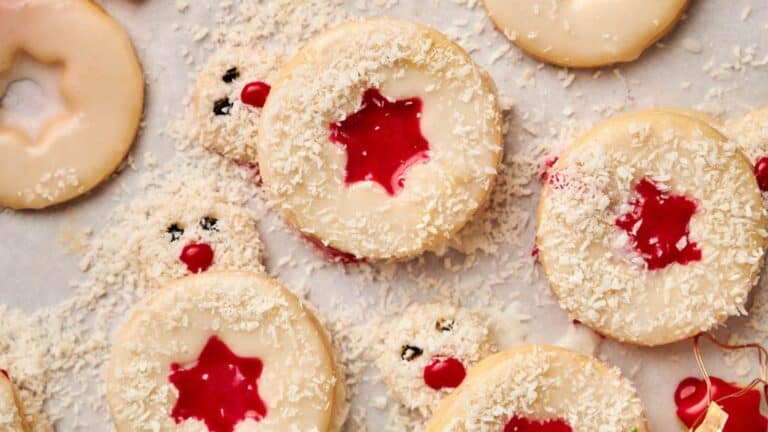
(197, 256)
(255, 93)
(444, 372)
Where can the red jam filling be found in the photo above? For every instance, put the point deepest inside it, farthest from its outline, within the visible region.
(522, 424)
(220, 388)
(657, 226)
(761, 172)
(255, 94)
(743, 411)
(383, 140)
(331, 253)
(444, 372)
(548, 164)
(197, 256)
(5, 373)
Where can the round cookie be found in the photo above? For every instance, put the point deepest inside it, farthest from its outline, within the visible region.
(585, 33)
(427, 350)
(224, 352)
(651, 228)
(228, 96)
(354, 149)
(186, 235)
(750, 133)
(11, 419)
(103, 91)
(539, 387)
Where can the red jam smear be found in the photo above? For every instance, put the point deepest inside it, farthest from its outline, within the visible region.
(522, 424)
(548, 164)
(383, 140)
(220, 388)
(657, 226)
(743, 411)
(331, 253)
(761, 172)
(197, 256)
(444, 372)
(255, 94)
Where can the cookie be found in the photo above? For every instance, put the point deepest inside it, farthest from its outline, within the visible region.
(381, 139)
(651, 228)
(11, 419)
(229, 93)
(102, 88)
(541, 388)
(221, 352)
(585, 34)
(427, 350)
(750, 133)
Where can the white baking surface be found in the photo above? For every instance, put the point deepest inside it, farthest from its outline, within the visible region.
(36, 266)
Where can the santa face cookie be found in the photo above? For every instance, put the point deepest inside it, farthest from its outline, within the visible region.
(224, 352)
(381, 138)
(100, 91)
(11, 419)
(427, 351)
(541, 388)
(751, 135)
(585, 33)
(196, 235)
(228, 96)
(651, 228)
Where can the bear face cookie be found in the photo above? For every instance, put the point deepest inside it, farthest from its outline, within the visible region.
(541, 388)
(651, 228)
(11, 419)
(427, 351)
(224, 352)
(354, 148)
(227, 99)
(585, 33)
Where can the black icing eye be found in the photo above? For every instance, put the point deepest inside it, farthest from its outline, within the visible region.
(222, 106)
(230, 75)
(209, 223)
(444, 325)
(410, 352)
(175, 231)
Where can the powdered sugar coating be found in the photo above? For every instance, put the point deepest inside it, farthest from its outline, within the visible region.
(10, 415)
(233, 135)
(301, 382)
(589, 262)
(304, 171)
(437, 330)
(542, 383)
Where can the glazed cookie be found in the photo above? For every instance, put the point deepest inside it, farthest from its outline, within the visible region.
(228, 96)
(11, 419)
(651, 228)
(750, 133)
(585, 33)
(541, 388)
(354, 148)
(102, 89)
(224, 352)
(427, 350)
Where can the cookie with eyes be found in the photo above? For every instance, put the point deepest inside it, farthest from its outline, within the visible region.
(427, 351)
(750, 133)
(228, 96)
(224, 352)
(651, 228)
(11, 418)
(187, 235)
(541, 388)
(585, 33)
(354, 148)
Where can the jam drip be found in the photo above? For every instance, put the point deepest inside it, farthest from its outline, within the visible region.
(743, 411)
(657, 226)
(197, 256)
(383, 140)
(761, 172)
(444, 372)
(331, 253)
(220, 388)
(522, 424)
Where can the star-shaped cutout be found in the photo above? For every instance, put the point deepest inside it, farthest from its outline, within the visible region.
(383, 140)
(743, 410)
(220, 388)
